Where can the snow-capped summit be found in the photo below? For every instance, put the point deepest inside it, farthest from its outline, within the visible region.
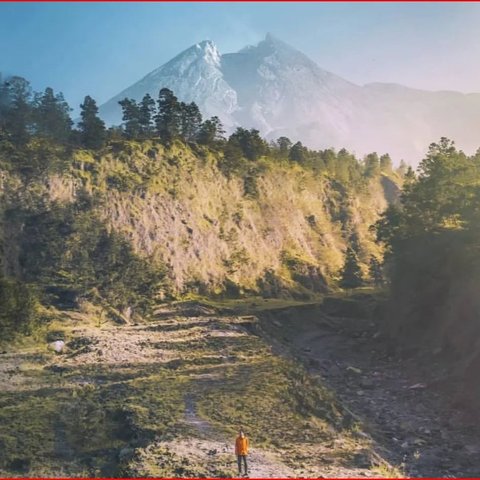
(210, 51)
(193, 75)
(276, 88)
(203, 52)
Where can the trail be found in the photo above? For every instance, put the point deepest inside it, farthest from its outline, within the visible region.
(201, 427)
(261, 463)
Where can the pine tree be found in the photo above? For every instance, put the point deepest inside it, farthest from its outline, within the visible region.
(52, 116)
(402, 168)
(211, 131)
(17, 109)
(347, 170)
(330, 160)
(298, 153)
(284, 144)
(147, 114)
(375, 270)
(372, 165)
(410, 175)
(92, 128)
(385, 163)
(190, 121)
(4, 103)
(232, 156)
(351, 274)
(167, 119)
(131, 118)
(253, 146)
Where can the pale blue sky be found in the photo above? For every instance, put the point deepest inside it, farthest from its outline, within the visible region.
(101, 48)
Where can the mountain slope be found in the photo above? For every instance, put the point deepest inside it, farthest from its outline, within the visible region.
(194, 75)
(177, 210)
(279, 88)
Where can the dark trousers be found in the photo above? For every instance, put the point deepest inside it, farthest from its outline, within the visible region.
(239, 461)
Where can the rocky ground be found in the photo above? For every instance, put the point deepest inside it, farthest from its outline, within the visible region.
(312, 386)
(400, 402)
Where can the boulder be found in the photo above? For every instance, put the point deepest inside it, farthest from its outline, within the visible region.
(57, 346)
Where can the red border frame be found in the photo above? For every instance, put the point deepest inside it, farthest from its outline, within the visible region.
(239, 1)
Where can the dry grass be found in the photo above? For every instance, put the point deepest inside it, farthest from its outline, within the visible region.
(150, 399)
(181, 211)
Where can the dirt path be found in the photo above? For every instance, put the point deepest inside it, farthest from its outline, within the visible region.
(201, 427)
(264, 464)
(199, 448)
(261, 463)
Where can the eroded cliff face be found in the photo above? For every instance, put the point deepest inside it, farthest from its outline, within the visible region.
(180, 211)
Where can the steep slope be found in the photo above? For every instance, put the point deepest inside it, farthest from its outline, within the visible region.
(183, 212)
(280, 91)
(177, 209)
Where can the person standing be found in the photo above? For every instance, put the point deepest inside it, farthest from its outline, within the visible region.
(241, 451)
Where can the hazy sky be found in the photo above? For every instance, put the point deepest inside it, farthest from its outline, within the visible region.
(101, 48)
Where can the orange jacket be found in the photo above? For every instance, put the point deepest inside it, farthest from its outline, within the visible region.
(241, 446)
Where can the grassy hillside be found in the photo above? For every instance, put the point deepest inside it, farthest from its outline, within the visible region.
(176, 208)
(107, 237)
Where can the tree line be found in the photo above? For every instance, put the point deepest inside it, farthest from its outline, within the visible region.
(168, 119)
(26, 115)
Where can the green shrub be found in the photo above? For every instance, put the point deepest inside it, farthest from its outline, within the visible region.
(71, 253)
(18, 309)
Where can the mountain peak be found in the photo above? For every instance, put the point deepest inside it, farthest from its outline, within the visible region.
(205, 48)
(279, 90)
(275, 42)
(208, 51)
(205, 52)
(270, 38)
(206, 45)
(271, 44)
